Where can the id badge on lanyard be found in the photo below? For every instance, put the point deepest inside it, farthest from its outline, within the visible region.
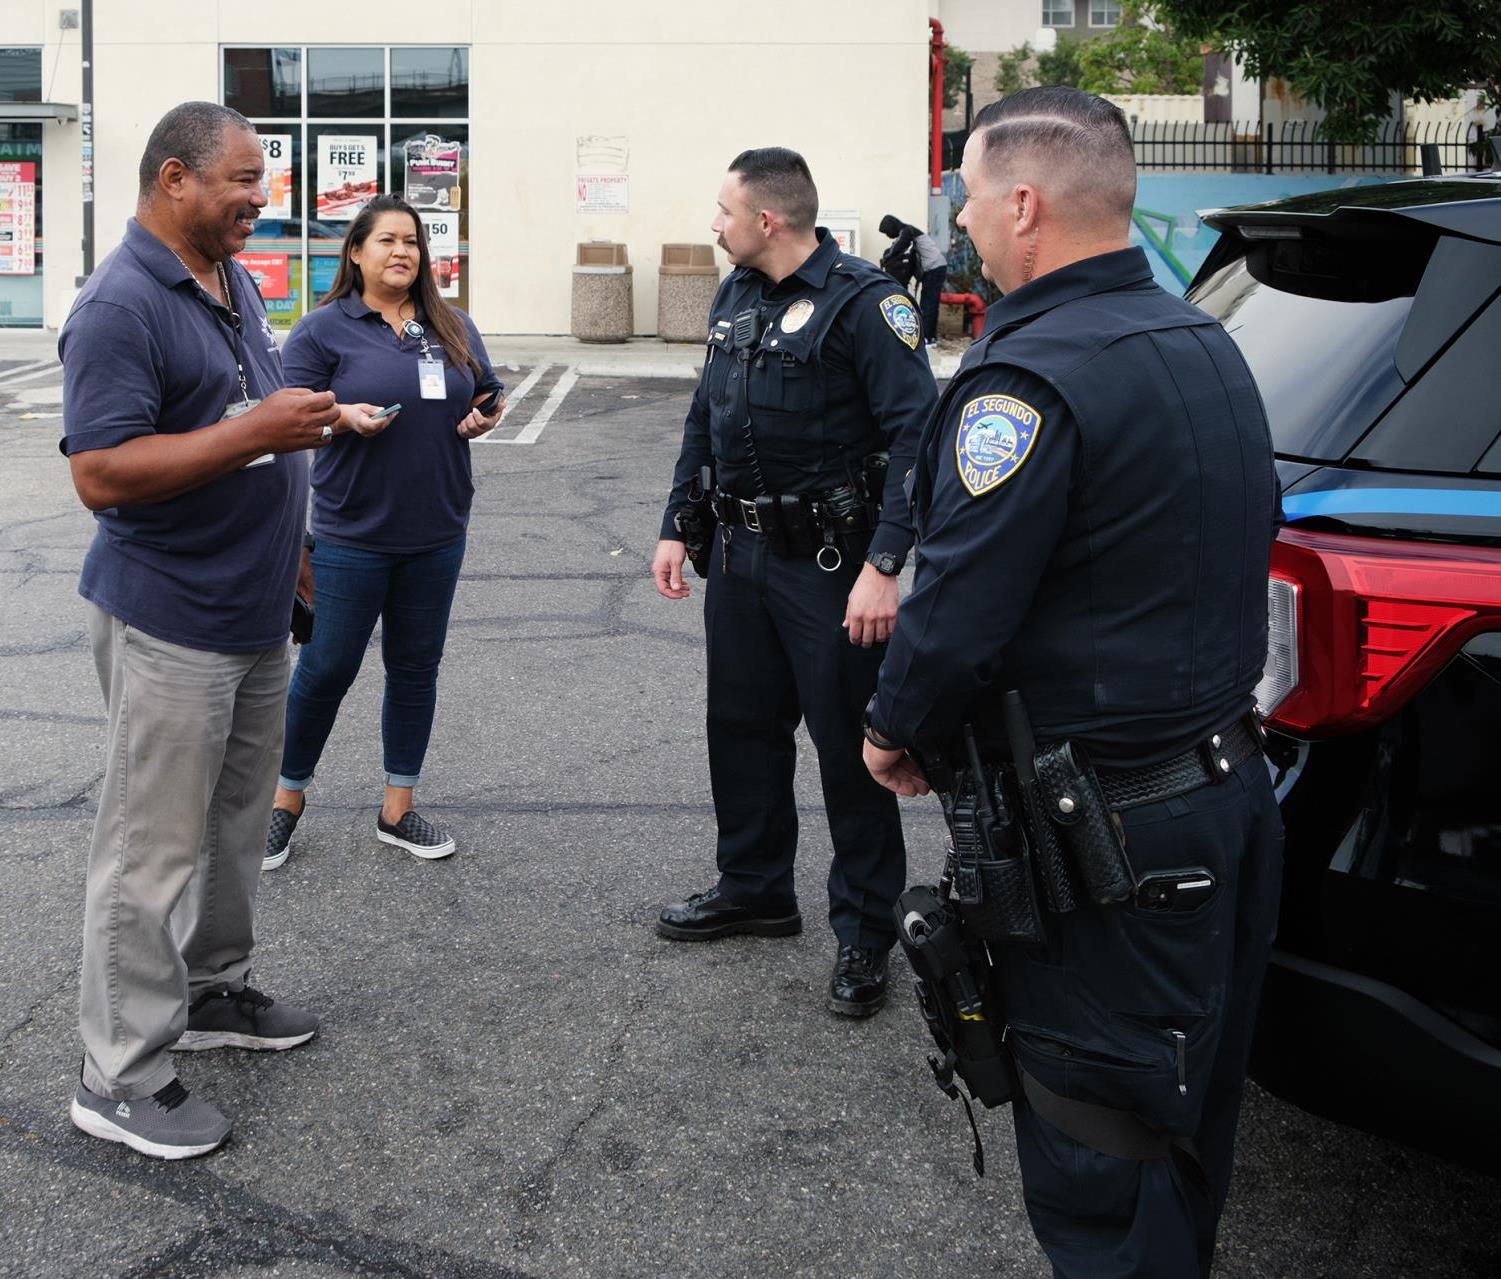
(236, 407)
(236, 346)
(431, 380)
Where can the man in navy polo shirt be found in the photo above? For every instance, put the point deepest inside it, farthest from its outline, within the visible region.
(190, 453)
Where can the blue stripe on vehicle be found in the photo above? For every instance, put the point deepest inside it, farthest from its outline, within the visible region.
(1481, 503)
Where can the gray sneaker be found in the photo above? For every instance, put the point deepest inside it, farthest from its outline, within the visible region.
(244, 1019)
(169, 1124)
(416, 834)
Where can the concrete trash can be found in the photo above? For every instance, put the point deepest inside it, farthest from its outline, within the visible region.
(686, 284)
(602, 310)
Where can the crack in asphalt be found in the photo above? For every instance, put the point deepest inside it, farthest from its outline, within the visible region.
(538, 1189)
(241, 1227)
(69, 978)
(73, 802)
(76, 640)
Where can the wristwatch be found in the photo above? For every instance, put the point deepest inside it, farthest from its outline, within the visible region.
(309, 542)
(872, 734)
(886, 563)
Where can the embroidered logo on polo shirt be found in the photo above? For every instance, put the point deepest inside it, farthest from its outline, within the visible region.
(996, 434)
(898, 312)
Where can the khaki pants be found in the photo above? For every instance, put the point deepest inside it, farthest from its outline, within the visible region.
(194, 742)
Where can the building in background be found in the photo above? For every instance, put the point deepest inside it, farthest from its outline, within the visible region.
(985, 29)
(519, 129)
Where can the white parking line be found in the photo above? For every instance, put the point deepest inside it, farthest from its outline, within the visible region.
(29, 372)
(512, 400)
(555, 398)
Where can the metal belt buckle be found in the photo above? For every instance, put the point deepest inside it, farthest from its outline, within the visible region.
(749, 514)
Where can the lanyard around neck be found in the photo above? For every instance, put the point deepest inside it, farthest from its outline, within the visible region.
(233, 335)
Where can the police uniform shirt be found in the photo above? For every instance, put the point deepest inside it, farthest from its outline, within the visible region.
(1095, 505)
(840, 372)
(146, 351)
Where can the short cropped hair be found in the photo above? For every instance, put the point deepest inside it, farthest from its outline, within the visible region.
(192, 132)
(1080, 142)
(779, 179)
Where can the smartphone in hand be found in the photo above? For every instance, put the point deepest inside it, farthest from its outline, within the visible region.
(385, 412)
(302, 619)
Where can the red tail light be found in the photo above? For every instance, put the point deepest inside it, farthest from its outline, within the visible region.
(1371, 621)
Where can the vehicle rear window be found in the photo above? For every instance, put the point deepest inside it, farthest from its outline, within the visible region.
(1326, 367)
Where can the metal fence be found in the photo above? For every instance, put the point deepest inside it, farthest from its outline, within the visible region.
(1299, 146)
(1294, 146)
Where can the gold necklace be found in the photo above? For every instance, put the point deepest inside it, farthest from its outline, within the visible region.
(223, 277)
(218, 271)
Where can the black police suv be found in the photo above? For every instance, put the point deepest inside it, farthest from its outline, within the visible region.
(1371, 318)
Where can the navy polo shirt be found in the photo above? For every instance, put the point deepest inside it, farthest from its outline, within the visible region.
(146, 350)
(407, 490)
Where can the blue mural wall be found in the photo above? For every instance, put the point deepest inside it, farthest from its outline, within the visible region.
(1165, 221)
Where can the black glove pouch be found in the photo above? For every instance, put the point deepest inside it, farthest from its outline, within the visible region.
(1090, 832)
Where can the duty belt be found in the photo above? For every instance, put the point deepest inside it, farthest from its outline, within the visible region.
(736, 511)
(851, 515)
(1212, 760)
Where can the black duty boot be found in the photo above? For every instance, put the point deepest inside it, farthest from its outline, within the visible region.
(858, 986)
(705, 916)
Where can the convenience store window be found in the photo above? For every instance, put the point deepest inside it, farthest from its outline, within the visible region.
(20, 193)
(339, 125)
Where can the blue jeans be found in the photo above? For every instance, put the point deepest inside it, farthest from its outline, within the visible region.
(411, 595)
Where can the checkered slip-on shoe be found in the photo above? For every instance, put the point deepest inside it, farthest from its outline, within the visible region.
(417, 835)
(279, 836)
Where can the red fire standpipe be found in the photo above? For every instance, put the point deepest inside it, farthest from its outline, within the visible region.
(935, 66)
(973, 308)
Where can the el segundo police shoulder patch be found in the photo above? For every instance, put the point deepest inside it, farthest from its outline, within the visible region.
(996, 435)
(900, 314)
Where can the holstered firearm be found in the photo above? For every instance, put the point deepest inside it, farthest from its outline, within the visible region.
(695, 522)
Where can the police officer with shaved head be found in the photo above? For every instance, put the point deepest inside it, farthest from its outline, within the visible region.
(1095, 503)
(788, 498)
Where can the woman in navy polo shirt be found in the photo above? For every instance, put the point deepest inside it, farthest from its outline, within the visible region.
(390, 506)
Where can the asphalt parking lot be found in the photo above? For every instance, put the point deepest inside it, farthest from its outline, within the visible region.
(515, 1076)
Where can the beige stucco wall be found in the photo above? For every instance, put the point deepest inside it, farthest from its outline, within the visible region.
(686, 84)
(988, 26)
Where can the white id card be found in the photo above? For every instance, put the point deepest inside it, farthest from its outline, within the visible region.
(430, 379)
(233, 409)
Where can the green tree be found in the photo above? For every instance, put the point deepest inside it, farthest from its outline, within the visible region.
(1350, 56)
(1060, 64)
(1139, 59)
(956, 65)
(1013, 70)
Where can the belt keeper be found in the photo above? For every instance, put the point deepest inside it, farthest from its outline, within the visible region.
(1216, 758)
